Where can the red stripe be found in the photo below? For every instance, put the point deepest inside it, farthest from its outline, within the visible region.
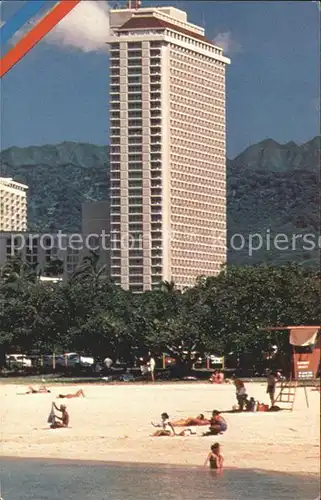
(36, 34)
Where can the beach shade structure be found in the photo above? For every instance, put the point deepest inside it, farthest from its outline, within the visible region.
(306, 344)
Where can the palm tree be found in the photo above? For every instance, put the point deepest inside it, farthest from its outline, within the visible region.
(169, 287)
(16, 270)
(90, 269)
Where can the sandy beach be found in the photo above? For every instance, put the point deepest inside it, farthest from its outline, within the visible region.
(112, 423)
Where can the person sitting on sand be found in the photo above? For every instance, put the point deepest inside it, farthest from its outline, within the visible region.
(167, 428)
(250, 404)
(217, 377)
(213, 377)
(72, 395)
(42, 389)
(60, 422)
(186, 422)
(215, 458)
(218, 424)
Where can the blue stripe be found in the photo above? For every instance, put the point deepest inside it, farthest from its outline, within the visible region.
(19, 19)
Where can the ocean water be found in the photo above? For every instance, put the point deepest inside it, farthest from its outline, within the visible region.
(68, 480)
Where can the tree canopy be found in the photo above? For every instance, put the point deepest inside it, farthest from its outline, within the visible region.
(222, 314)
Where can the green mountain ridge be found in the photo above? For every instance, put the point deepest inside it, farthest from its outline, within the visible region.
(271, 187)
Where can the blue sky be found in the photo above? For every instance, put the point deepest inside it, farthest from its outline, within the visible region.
(57, 93)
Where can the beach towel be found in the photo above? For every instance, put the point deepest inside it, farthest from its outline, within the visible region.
(51, 416)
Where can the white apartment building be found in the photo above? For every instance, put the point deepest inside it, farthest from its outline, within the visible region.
(167, 149)
(13, 205)
(40, 250)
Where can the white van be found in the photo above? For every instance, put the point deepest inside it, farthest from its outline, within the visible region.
(19, 359)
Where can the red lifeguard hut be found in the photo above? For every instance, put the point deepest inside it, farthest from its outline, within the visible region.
(306, 347)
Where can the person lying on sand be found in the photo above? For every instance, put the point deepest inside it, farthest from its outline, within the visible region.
(215, 458)
(60, 422)
(218, 424)
(72, 395)
(186, 422)
(42, 389)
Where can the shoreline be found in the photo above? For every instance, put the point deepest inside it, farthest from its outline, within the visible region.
(146, 465)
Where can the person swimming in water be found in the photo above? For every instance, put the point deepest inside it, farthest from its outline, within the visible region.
(215, 458)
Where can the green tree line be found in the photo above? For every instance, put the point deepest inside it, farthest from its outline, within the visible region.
(222, 314)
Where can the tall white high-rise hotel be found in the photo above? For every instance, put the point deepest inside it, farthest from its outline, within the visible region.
(13, 205)
(167, 152)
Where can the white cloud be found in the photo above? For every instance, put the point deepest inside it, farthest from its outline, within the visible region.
(227, 43)
(85, 28)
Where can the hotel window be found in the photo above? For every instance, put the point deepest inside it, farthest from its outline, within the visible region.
(135, 170)
(114, 56)
(134, 63)
(134, 88)
(135, 149)
(134, 54)
(135, 218)
(136, 288)
(154, 52)
(132, 71)
(135, 131)
(134, 97)
(134, 210)
(154, 87)
(134, 105)
(135, 191)
(134, 140)
(135, 183)
(135, 158)
(135, 166)
(134, 79)
(134, 45)
(135, 201)
(134, 123)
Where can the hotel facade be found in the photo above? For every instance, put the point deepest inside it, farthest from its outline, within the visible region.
(13, 205)
(167, 149)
